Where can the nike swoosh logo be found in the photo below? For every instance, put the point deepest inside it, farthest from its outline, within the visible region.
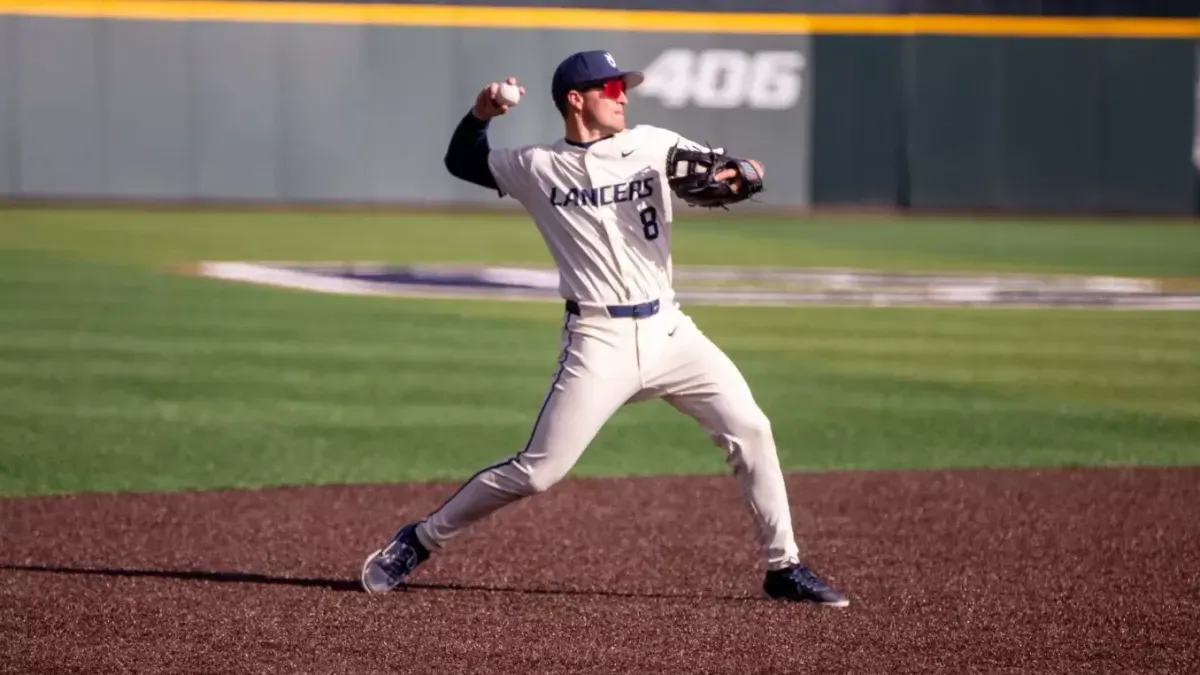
(626, 154)
(672, 333)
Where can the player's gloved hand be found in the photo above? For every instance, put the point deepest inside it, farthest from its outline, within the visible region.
(486, 105)
(733, 176)
(709, 178)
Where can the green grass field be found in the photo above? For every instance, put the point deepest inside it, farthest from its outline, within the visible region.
(116, 374)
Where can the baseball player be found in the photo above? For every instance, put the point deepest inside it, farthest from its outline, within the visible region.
(599, 197)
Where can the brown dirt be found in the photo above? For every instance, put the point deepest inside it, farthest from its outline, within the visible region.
(968, 572)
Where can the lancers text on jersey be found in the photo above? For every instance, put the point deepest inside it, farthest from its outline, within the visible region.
(601, 196)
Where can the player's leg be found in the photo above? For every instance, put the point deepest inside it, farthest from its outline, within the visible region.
(589, 385)
(699, 379)
(596, 374)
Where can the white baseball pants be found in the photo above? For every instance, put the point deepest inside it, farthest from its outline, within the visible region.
(605, 363)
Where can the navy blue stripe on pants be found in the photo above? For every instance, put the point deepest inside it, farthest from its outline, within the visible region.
(562, 360)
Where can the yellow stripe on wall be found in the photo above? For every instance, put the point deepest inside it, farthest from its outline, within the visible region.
(606, 19)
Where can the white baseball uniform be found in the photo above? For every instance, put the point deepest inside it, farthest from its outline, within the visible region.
(605, 212)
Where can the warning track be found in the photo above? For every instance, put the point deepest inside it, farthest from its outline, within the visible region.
(973, 571)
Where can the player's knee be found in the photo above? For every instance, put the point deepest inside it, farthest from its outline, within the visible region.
(750, 434)
(756, 430)
(539, 483)
(542, 477)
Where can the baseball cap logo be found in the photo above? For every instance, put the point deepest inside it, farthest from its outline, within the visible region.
(611, 61)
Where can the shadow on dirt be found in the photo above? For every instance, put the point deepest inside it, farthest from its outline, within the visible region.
(196, 575)
(349, 585)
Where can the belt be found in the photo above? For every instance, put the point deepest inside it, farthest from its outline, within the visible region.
(622, 311)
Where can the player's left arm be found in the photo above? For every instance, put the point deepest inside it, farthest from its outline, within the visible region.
(730, 174)
(697, 169)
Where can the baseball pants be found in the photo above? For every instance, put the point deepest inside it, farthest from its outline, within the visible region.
(604, 363)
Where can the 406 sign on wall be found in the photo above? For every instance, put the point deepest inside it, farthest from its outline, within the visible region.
(725, 78)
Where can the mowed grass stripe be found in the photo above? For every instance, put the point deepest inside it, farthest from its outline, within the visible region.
(160, 239)
(979, 343)
(1024, 327)
(1138, 362)
(198, 411)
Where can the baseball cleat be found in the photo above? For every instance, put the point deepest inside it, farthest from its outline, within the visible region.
(800, 584)
(386, 568)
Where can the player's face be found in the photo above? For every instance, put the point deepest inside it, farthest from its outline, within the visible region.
(604, 106)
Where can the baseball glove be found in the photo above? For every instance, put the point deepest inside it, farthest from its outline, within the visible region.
(692, 176)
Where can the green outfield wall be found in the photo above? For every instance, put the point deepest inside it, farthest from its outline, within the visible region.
(354, 102)
(1039, 124)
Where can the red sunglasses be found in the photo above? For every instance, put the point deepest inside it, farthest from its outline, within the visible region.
(611, 88)
(614, 88)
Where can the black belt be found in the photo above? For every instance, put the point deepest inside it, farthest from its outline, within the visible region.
(622, 311)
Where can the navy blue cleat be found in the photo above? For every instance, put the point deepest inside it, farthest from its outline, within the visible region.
(386, 568)
(800, 584)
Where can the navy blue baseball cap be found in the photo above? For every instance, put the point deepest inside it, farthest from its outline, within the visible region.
(582, 69)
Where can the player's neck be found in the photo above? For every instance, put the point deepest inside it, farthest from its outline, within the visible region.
(578, 133)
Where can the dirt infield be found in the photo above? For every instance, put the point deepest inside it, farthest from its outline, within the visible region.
(967, 572)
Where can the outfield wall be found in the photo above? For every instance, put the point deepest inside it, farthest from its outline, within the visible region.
(334, 110)
(1039, 124)
(317, 113)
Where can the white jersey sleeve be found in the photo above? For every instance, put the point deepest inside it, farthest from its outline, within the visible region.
(689, 144)
(662, 140)
(512, 169)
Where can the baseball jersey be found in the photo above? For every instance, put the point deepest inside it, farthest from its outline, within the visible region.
(603, 209)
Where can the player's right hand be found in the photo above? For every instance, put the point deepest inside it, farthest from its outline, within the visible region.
(486, 105)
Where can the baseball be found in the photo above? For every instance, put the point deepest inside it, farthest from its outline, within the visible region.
(508, 94)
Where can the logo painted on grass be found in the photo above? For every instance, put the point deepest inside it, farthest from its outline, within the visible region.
(721, 285)
(363, 278)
